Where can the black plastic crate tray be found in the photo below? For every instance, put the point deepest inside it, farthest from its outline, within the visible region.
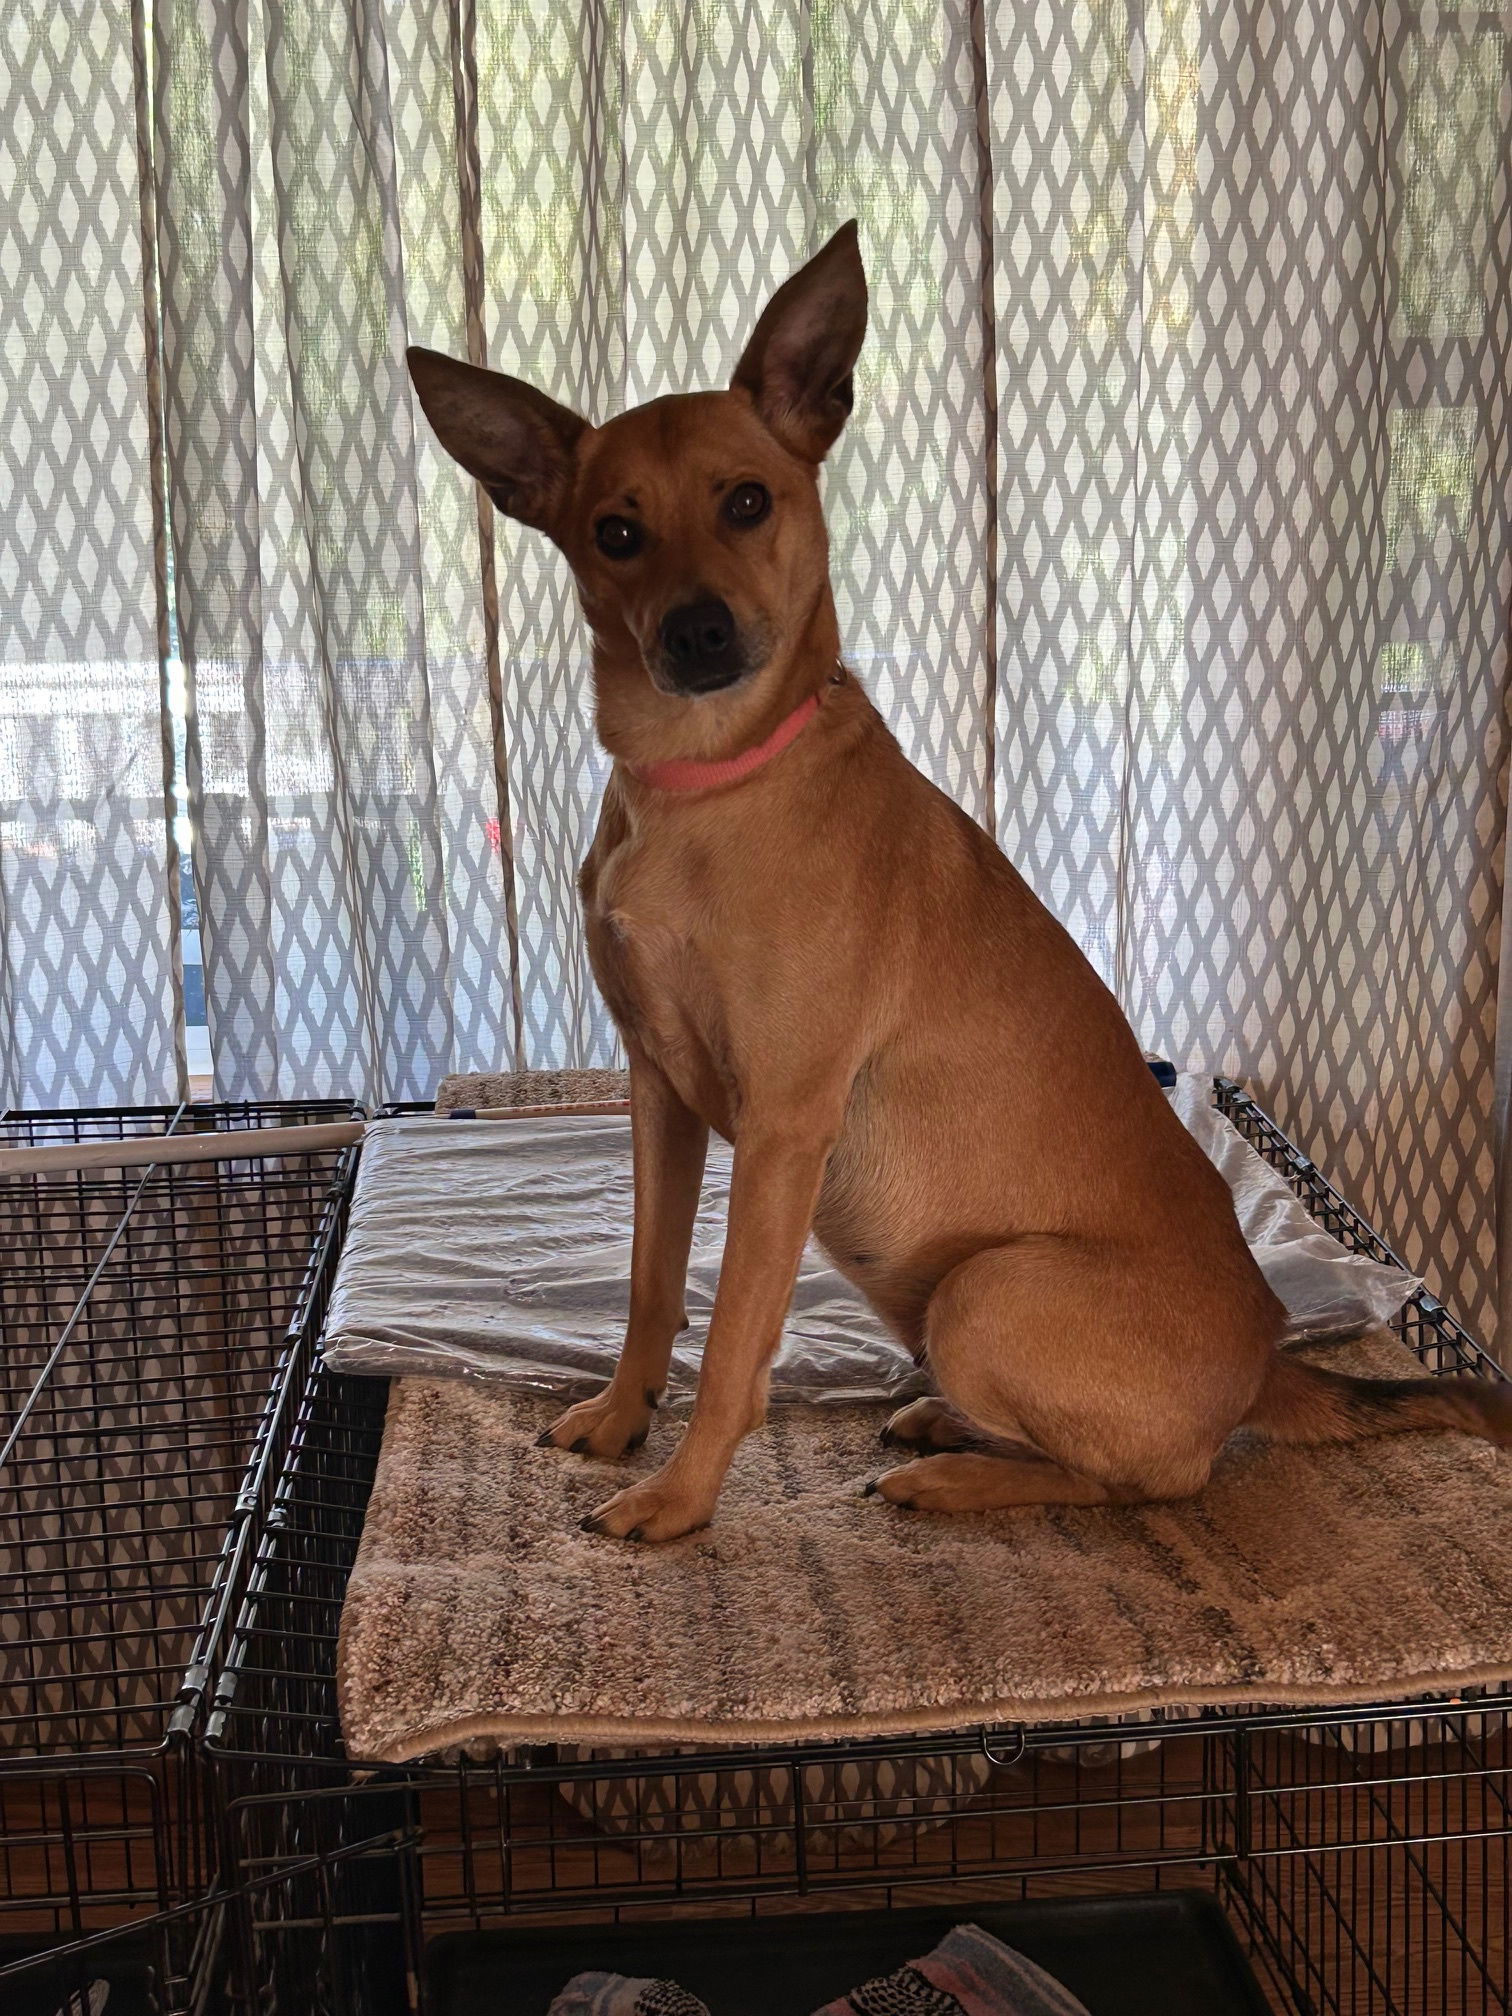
(1168, 1953)
(61, 1987)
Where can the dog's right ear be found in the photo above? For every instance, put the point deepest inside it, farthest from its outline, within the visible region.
(518, 443)
(798, 365)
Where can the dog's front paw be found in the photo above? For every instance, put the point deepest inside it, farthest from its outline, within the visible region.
(606, 1426)
(655, 1510)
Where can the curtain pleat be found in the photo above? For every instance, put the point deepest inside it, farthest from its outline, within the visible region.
(314, 747)
(89, 973)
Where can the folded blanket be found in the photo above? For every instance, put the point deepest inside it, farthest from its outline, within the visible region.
(968, 1974)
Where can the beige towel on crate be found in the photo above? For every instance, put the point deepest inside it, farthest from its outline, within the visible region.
(467, 1089)
(477, 1609)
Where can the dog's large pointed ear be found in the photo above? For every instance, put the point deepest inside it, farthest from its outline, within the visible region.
(518, 443)
(798, 365)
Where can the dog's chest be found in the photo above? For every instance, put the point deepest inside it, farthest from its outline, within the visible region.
(656, 978)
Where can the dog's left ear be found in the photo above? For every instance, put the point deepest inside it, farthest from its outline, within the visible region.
(797, 366)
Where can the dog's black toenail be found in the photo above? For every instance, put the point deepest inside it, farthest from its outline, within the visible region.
(869, 1490)
(651, 1399)
(544, 1441)
(590, 1524)
(580, 1445)
(636, 1533)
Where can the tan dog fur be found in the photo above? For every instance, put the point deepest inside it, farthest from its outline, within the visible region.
(828, 963)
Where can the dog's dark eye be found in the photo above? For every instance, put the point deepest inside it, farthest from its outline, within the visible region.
(748, 503)
(618, 538)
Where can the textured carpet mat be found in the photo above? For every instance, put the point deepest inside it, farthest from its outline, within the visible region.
(478, 1612)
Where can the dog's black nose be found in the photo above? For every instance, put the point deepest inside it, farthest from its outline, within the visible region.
(699, 640)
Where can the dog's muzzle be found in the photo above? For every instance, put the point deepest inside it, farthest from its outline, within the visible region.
(701, 647)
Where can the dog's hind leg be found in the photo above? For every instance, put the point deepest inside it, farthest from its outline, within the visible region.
(966, 1482)
(1064, 1353)
(929, 1423)
(933, 1424)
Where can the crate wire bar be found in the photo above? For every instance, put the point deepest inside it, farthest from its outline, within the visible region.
(1363, 1854)
(150, 1317)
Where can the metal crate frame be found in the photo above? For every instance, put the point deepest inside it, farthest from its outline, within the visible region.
(1342, 1843)
(154, 1320)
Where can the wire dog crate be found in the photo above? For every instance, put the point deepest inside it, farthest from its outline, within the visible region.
(152, 1319)
(1364, 1854)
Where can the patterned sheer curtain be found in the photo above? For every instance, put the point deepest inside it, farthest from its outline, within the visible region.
(89, 978)
(1172, 530)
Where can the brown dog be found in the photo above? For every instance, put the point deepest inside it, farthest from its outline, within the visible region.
(809, 948)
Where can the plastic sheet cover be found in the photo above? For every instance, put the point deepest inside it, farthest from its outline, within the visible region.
(501, 1250)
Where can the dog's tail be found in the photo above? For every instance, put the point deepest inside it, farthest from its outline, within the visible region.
(1299, 1402)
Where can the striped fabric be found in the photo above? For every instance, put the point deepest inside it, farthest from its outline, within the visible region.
(968, 1974)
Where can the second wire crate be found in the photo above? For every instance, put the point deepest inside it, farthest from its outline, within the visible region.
(152, 1318)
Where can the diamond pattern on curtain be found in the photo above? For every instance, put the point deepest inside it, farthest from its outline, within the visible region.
(89, 979)
(1173, 530)
(313, 747)
(1256, 484)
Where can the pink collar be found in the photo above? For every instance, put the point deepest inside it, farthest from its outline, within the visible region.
(694, 776)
